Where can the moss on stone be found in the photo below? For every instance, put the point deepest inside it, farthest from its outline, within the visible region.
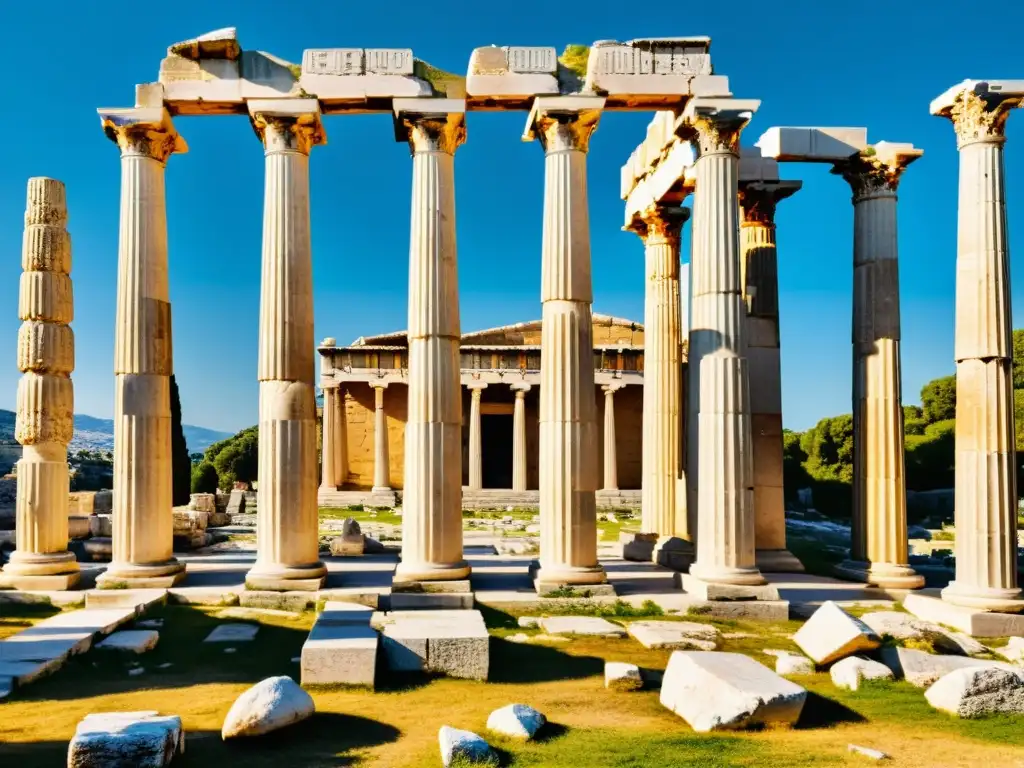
(295, 69)
(441, 82)
(574, 58)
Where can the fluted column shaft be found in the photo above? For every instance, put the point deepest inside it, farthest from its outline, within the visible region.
(286, 534)
(568, 408)
(328, 442)
(725, 529)
(475, 447)
(986, 489)
(46, 357)
(381, 455)
(662, 412)
(519, 439)
(611, 472)
(879, 525)
(341, 439)
(142, 518)
(432, 521)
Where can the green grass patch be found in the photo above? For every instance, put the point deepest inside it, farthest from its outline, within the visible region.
(361, 515)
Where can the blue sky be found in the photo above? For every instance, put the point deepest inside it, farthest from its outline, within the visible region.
(809, 64)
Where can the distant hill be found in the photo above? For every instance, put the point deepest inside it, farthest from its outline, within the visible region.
(98, 434)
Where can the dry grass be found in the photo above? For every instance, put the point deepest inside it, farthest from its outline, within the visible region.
(397, 725)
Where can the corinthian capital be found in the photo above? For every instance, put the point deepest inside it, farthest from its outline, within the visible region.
(285, 125)
(564, 122)
(978, 109)
(431, 125)
(876, 171)
(714, 124)
(142, 131)
(759, 198)
(659, 223)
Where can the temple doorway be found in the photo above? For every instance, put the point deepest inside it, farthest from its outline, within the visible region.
(496, 441)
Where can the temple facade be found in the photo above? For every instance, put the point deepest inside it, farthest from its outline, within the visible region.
(363, 454)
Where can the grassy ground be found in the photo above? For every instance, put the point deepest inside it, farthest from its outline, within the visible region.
(397, 725)
(15, 617)
(361, 515)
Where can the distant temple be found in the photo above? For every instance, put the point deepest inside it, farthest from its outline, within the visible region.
(498, 366)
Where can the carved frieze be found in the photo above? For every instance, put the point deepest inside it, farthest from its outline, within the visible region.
(652, 59)
(357, 61)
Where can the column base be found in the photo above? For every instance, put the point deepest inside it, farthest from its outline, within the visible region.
(777, 561)
(26, 564)
(589, 582)
(55, 583)
(675, 553)
(140, 576)
(380, 489)
(705, 589)
(274, 577)
(412, 573)
(993, 600)
(884, 575)
(426, 595)
(728, 576)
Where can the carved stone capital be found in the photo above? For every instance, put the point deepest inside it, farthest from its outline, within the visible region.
(563, 122)
(980, 117)
(758, 200)
(434, 133)
(143, 132)
(289, 133)
(713, 134)
(870, 175)
(659, 223)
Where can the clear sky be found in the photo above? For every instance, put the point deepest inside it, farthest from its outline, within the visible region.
(809, 63)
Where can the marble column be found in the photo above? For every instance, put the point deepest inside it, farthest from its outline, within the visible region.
(44, 426)
(328, 442)
(476, 460)
(878, 551)
(381, 456)
(519, 437)
(986, 489)
(142, 518)
(760, 282)
(725, 528)
(286, 533)
(659, 228)
(341, 438)
(611, 466)
(568, 407)
(432, 521)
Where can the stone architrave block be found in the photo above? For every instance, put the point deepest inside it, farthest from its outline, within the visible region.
(139, 739)
(512, 72)
(978, 691)
(832, 634)
(647, 67)
(812, 145)
(724, 691)
(355, 74)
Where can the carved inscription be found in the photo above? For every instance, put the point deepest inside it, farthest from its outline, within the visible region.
(525, 60)
(656, 60)
(176, 68)
(357, 61)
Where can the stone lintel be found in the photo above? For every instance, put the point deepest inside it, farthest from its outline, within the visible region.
(156, 119)
(149, 95)
(284, 107)
(895, 154)
(995, 89)
(561, 105)
(812, 145)
(756, 167)
(670, 182)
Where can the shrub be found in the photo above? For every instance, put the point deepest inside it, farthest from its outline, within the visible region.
(204, 478)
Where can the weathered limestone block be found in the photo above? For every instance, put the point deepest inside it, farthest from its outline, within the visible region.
(188, 522)
(581, 625)
(345, 75)
(270, 705)
(787, 663)
(448, 642)
(101, 525)
(463, 746)
(512, 72)
(46, 296)
(831, 634)
(922, 669)
(340, 654)
(853, 670)
(648, 66)
(203, 502)
(140, 739)
(622, 676)
(46, 248)
(677, 635)
(978, 691)
(218, 44)
(82, 503)
(725, 691)
(903, 626)
(45, 409)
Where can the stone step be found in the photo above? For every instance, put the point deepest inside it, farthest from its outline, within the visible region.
(341, 648)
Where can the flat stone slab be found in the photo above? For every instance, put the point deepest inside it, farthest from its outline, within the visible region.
(232, 633)
(725, 691)
(707, 590)
(25, 672)
(339, 654)
(286, 601)
(675, 635)
(581, 625)
(132, 640)
(96, 620)
(457, 585)
(447, 642)
(138, 599)
(971, 621)
(561, 589)
(922, 669)
(339, 612)
(406, 601)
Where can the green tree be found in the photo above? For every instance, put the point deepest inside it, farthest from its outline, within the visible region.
(794, 476)
(204, 478)
(1018, 359)
(829, 449)
(913, 420)
(939, 399)
(181, 464)
(237, 458)
(930, 456)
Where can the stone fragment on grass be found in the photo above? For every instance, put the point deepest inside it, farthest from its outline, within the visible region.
(269, 705)
(516, 720)
(850, 672)
(528, 622)
(788, 663)
(874, 754)
(978, 691)
(1013, 651)
(116, 739)
(967, 645)
(232, 633)
(725, 691)
(922, 669)
(131, 640)
(622, 676)
(464, 746)
(674, 635)
(832, 634)
(581, 625)
(904, 626)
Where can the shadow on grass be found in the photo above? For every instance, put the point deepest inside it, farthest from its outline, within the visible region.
(549, 732)
(822, 712)
(527, 663)
(495, 619)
